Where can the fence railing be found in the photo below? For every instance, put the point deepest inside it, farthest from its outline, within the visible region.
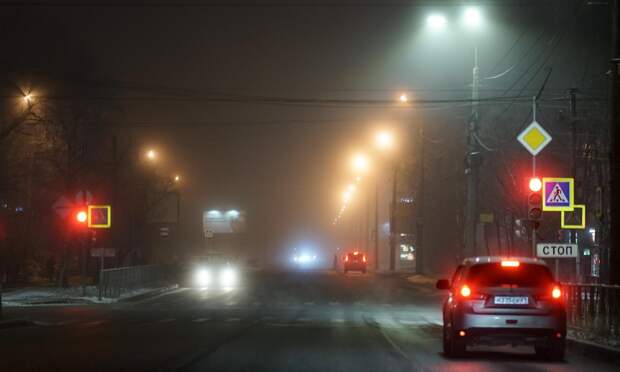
(117, 281)
(593, 309)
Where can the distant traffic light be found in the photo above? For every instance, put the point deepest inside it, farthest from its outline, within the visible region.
(534, 202)
(535, 184)
(81, 216)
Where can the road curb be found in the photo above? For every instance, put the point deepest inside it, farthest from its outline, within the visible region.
(591, 349)
(149, 294)
(14, 323)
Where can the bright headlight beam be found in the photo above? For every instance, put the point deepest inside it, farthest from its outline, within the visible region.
(203, 277)
(228, 277)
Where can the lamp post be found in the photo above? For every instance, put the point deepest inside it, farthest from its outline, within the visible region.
(472, 19)
(384, 142)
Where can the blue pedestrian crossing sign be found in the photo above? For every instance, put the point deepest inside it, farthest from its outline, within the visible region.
(558, 194)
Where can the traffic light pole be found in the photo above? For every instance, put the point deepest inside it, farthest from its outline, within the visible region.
(614, 161)
(534, 175)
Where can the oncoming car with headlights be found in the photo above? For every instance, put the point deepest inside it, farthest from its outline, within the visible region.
(214, 272)
(504, 301)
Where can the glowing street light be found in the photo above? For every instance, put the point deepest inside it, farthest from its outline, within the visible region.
(360, 163)
(403, 98)
(472, 17)
(436, 22)
(384, 140)
(346, 196)
(28, 98)
(177, 178)
(151, 155)
(352, 188)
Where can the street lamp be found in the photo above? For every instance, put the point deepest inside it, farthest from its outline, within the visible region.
(346, 196)
(177, 178)
(151, 155)
(360, 163)
(472, 20)
(384, 140)
(436, 22)
(403, 98)
(472, 17)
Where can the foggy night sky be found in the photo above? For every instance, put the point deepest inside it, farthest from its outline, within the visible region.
(286, 165)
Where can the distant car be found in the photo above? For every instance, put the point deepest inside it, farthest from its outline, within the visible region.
(214, 271)
(495, 301)
(355, 261)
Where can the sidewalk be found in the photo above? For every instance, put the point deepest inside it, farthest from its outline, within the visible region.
(33, 296)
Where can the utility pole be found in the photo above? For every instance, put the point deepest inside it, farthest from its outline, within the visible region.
(393, 229)
(419, 249)
(376, 224)
(572, 95)
(614, 161)
(473, 165)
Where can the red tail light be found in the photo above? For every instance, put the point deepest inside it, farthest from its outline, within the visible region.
(510, 263)
(556, 292)
(346, 258)
(364, 258)
(465, 291)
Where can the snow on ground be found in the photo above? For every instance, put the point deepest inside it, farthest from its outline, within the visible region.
(61, 296)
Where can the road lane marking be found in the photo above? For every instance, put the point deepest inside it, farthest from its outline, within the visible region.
(233, 320)
(166, 320)
(309, 303)
(200, 320)
(334, 303)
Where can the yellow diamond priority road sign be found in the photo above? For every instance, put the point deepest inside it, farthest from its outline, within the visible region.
(534, 138)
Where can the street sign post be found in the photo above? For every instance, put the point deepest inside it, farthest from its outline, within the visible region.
(534, 138)
(575, 219)
(105, 252)
(556, 250)
(99, 216)
(558, 194)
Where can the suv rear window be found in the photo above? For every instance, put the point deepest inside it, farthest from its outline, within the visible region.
(494, 275)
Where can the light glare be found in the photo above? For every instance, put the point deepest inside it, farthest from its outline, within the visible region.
(384, 140)
(472, 17)
(360, 163)
(436, 22)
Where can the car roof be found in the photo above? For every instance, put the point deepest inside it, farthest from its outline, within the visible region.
(479, 260)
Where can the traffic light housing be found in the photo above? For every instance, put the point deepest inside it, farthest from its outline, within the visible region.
(534, 202)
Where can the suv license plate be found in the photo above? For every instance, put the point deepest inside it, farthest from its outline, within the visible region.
(504, 300)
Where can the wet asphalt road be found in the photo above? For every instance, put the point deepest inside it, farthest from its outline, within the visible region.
(304, 321)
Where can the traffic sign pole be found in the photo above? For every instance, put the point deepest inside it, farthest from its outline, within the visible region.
(534, 175)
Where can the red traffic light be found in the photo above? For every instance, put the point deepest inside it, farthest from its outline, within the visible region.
(81, 216)
(535, 184)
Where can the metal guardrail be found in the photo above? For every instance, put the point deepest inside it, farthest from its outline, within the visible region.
(115, 282)
(593, 309)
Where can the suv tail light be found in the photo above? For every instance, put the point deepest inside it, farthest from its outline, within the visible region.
(364, 258)
(465, 291)
(556, 292)
(346, 258)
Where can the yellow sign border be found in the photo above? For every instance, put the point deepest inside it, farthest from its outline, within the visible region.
(100, 226)
(571, 187)
(583, 218)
